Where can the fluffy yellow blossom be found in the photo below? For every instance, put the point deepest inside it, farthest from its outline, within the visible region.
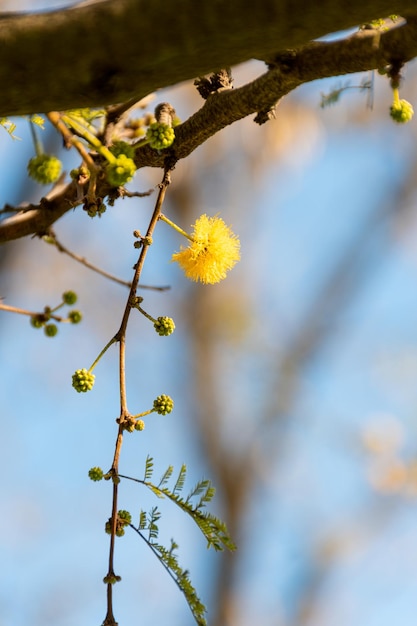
(213, 251)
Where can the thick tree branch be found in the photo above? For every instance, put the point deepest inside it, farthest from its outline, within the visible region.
(107, 52)
(313, 61)
(310, 62)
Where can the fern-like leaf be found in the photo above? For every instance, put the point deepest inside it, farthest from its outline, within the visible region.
(179, 485)
(206, 490)
(88, 115)
(148, 468)
(9, 126)
(142, 520)
(38, 120)
(153, 518)
(169, 560)
(166, 476)
(212, 528)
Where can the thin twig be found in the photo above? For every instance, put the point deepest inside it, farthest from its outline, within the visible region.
(70, 139)
(15, 309)
(124, 414)
(97, 269)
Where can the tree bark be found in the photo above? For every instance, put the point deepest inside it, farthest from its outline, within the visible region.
(105, 52)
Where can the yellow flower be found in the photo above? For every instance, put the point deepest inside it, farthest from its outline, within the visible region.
(213, 251)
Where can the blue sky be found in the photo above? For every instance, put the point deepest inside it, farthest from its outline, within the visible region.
(317, 522)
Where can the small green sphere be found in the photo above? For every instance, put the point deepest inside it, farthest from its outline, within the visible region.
(44, 168)
(121, 171)
(160, 136)
(75, 317)
(95, 473)
(163, 404)
(50, 330)
(401, 111)
(140, 425)
(37, 321)
(111, 579)
(122, 147)
(69, 297)
(124, 517)
(164, 326)
(83, 380)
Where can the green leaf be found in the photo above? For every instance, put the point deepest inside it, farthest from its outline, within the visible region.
(148, 468)
(166, 476)
(153, 517)
(169, 559)
(181, 479)
(142, 520)
(9, 126)
(38, 120)
(88, 115)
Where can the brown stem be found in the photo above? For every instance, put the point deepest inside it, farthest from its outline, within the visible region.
(124, 414)
(70, 139)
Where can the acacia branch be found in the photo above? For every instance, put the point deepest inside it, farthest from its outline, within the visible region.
(101, 53)
(290, 69)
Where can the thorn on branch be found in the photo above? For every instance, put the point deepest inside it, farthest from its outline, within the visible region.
(219, 81)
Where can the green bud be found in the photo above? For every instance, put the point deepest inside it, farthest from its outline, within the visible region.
(51, 330)
(44, 168)
(75, 317)
(160, 136)
(122, 147)
(401, 111)
(37, 321)
(121, 171)
(164, 326)
(163, 405)
(111, 579)
(95, 473)
(83, 380)
(69, 297)
(124, 517)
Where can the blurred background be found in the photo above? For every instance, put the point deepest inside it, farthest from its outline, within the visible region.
(294, 380)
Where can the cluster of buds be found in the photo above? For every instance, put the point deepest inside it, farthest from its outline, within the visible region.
(163, 405)
(160, 136)
(96, 474)
(164, 326)
(401, 111)
(44, 168)
(120, 171)
(83, 380)
(123, 519)
(43, 320)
